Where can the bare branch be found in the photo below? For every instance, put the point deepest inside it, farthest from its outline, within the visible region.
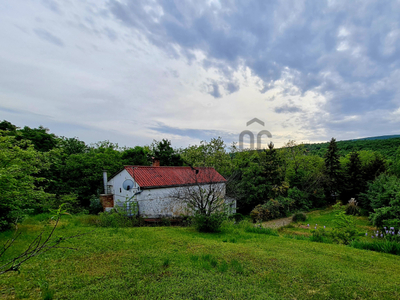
(36, 247)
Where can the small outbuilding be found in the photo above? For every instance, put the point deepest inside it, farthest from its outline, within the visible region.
(152, 188)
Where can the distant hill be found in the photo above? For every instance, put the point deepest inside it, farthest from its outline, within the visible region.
(387, 145)
(382, 137)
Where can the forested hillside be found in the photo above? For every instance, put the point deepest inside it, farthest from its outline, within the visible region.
(386, 146)
(40, 170)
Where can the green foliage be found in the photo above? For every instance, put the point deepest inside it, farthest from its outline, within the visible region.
(320, 235)
(261, 230)
(332, 169)
(391, 247)
(138, 156)
(301, 199)
(163, 151)
(209, 154)
(20, 165)
(354, 182)
(116, 220)
(95, 206)
(259, 176)
(382, 199)
(39, 137)
(345, 229)
(386, 147)
(209, 223)
(352, 208)
(237, 217)
(299, 217)
(272, 209)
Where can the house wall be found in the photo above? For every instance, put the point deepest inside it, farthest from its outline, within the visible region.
(152, 203)
(115, 186)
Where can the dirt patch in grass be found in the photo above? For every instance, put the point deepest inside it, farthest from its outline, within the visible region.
(277, 223)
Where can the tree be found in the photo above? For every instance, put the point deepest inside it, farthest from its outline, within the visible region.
(8, 127)
(135, 156)
(354, 174)
(332, 168)
(209, 154)
(40, 138)
(258, 177)
(163, 151)
(20, 164)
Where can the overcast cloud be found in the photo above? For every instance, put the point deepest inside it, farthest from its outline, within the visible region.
(131, 71)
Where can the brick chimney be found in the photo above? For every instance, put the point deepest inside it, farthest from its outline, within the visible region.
(156, 162)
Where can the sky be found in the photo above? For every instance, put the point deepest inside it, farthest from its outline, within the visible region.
(131, 71)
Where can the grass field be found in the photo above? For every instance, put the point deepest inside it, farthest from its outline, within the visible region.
(179, 263)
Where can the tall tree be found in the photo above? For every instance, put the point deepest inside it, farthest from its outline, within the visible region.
(332, 169)
(354, 175)
(19, 165)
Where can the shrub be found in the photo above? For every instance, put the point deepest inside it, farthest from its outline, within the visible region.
(209, 223)
(345, 230)
(380, 192)
(352, 208)
(299, 217)
(270, 210)
(95, 206)
(115, 219)
(320, 235)
(237, 217)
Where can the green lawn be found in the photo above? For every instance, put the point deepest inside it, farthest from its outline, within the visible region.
(179, 263)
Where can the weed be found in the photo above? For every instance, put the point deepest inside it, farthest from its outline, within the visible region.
(166, 263)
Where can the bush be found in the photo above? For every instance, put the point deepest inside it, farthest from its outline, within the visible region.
(116, 219)
(299, 217)
(352, 208)
(95, 206)
(320, 235)
(270, 210)
(345, 230)
(211, 223)
(237, 217)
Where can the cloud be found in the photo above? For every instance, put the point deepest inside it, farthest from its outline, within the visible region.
(47, 36)
(319, 44)
(287, 109)
(213, 89)
(196, 134)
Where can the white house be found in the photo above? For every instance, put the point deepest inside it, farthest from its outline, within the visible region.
(153, 188)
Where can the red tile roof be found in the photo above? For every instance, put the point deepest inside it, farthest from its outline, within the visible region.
(152, 177)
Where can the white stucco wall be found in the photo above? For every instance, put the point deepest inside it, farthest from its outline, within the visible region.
(152, 203)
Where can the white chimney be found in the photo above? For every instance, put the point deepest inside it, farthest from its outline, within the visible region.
(105, 181)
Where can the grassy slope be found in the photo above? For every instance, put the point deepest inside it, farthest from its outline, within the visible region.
(178, 263)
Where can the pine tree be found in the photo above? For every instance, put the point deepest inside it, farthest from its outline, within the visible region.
(355, 183)
(332, 169)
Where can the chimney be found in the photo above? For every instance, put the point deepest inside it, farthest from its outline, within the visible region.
(156, 162)
(105, 181)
